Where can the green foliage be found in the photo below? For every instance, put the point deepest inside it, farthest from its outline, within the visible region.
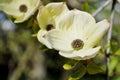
(85, 7)
(70, 65)
(76, 75)
(117, 53)
(113, 64)
(113, 45)
(93, 68)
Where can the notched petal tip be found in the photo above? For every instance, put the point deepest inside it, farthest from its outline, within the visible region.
(39, 11)
(42, 37)
(65, 4)
(104, 23)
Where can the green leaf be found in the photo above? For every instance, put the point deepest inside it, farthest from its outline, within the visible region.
(106, 45)
(70, 65)
(113, 45)
(116, 77)
(43, 47)
(35, 27)
(113, 63)
(85, 7)
(117, 71)
(92, 68)
(117, 52)
(79, 73)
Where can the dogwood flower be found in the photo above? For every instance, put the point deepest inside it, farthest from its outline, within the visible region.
(47, 17)
(78, 35)
(19, 9)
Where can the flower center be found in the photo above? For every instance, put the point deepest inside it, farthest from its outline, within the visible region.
(23, 8)
(49, 27)
(44, 36)
(77, 44)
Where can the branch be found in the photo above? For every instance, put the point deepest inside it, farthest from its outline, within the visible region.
(101, 8)
(109, 34)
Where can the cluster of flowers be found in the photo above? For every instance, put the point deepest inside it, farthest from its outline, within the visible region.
(74, 33)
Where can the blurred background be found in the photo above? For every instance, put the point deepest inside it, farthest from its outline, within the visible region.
(22, 57)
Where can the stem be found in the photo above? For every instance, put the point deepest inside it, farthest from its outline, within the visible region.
(109, 34)
(101, 8)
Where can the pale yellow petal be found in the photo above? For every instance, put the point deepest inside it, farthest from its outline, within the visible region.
(97, 34)
(50, 13)
(77, 21)
(82, 54)
(44, 18)
(57, 8)
(12, 7)
(42, 38)
(32, 8)
(60, 40)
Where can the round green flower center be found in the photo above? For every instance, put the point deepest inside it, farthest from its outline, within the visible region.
(23, 8)
(77, 44)
(49, 27)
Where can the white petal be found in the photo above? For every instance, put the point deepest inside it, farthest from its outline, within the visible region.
(66, 20)
(11, 7)
(77, 19)
(44, 18)
(60, 40)
(56, 9)
(42, 38)
(49, 13)
(82, 54)
(97, 34)
(32, 8)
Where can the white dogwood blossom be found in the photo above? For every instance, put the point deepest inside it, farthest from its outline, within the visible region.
(78, 35)
(47, 17)
(21, 10)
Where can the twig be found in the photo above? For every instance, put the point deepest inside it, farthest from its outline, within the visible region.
(108, 41)
(101, 8)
